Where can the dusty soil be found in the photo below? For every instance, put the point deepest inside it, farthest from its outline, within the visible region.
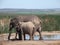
(4, 41)
(42, 42)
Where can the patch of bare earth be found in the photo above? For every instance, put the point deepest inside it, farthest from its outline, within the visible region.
(24, 43)
(42, 42)
(4, 41)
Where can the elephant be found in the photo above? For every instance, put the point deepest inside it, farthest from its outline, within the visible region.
(25, 18)
(26, 28)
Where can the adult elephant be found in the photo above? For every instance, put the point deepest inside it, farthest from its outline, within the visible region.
(25, 18)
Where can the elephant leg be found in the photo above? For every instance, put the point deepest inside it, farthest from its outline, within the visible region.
(39, 30)
(24, 37)
(16, 35)
(40, 35)
(20, 35)
(10, 29)
(9, 33)
(34, 30)
(31, 36)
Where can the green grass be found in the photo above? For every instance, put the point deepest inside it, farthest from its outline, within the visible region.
(52, 23)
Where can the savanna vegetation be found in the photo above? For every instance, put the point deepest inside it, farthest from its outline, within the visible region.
(50, 22)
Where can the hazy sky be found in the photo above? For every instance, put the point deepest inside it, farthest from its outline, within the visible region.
(30, 4)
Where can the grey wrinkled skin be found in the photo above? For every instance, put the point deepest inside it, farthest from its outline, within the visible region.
(25, 18)
(26, 28)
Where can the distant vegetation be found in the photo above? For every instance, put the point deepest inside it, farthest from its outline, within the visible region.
(50, 22)
(30, 11)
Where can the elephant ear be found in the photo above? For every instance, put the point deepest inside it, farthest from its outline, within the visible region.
(20, 23)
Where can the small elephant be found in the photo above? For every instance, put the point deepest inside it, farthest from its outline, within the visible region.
(26, 28)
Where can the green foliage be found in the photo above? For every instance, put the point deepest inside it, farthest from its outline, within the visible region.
(49, 22)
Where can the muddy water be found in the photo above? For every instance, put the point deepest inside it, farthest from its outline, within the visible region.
(46, 37)
(36, 37)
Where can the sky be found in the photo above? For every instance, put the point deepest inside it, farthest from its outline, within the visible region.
(30, 4)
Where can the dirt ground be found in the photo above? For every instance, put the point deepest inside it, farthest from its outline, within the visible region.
(4, 41)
